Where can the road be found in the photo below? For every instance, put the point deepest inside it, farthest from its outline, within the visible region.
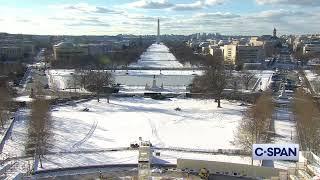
(34, 76)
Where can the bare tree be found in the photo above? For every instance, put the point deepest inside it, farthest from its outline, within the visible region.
(246, 78)
(100, 82)
(255, 124)
(235, 82)
(307, 113)
(81, 75)
(74, 82)
(213, 81)
(39, 130)
(39, 126)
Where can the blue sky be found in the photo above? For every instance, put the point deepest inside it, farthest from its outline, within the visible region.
(111, 17)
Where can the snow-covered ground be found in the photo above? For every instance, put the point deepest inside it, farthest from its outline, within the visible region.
(314, 79)
(59, 78)
(175, 79)
(137, 90)
(157, 56)
(15, 145)
(158, 72)
(124, 120)
(135, 80)
(23, 99)
(285, 126)
(198, 125)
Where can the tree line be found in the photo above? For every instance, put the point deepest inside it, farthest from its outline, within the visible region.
(13, 71)
(114, 59)
(185, 54)
(306, 111)
(256, 124)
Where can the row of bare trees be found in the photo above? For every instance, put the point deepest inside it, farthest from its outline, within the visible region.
(39, 128)
(113, 59)
(185, 54)
(306, 111)
(13, 71)
(255, 125)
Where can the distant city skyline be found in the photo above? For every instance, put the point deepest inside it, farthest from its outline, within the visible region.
(111, 17)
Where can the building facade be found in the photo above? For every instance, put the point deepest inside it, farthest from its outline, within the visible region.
(11, 52)
(14, 47)
(240, 54)
(230, 54)
(249, 54)
(312, 48)
(66, 51)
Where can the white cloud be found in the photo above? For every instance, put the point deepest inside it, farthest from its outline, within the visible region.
(141, 17)
(214, 15)
(192, 6)
(213, 2)
(200, 4)
(279, 15)
(86, 8)
(151, 4)
(291, 2)
(90, 19)
(165, 4)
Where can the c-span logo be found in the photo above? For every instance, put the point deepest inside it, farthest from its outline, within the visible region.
(275, 152)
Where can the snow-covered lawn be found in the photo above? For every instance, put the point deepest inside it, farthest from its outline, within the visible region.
(157, 56)
(199, 125)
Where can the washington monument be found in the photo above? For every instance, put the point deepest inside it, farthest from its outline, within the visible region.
(158, 33)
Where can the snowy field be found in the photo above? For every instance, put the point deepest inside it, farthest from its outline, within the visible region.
(198, 126)
(157, 56)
